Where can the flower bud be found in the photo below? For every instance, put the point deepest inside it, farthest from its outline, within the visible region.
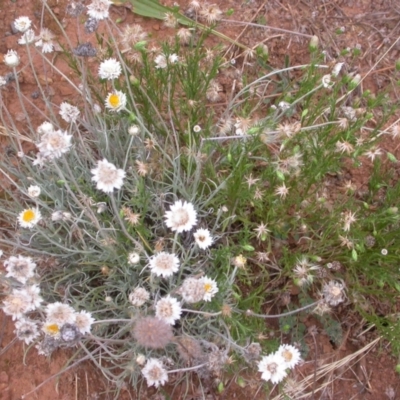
(314, 43)
(11, 59)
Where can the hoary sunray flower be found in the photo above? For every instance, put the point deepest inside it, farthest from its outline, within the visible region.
(27, 38)
(139, 296)
(110, 69)
(26, 330)
(203, 238)
(54, 144)
(84, 321)
(59, 313)
(16, 304)
(164, 264)
(155, 373)
(29, 217)
(168, 309)
(107, 176)
(181, 216)
(68, 112)
(173, 58)
(210, 288)
(272, 368)
(34, 191)
(192, 290)
(45, 127)
(45, 41)
(99, 9)
(116, 101)
(52, 329)
(333, 293)
(21, 268)
(290, 354)
(239, 261)
(161, 61)
(11, 59)
(211, 13)
(60, 216)
(22, 24)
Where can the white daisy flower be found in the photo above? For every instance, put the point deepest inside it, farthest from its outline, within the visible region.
(22, 24)
(11, 59)
(168, 309)
(26, 330)
(34, 191)
(52, 329)
(203, 238)
(21, 268)
(273, 368)
(164, 264)
(161, 61)
(98, 9)
(45, 127)
(107, 176)
(59, 313)
(54, 144)
(181, 216)
(29, 217)
(16, 304)
(110, 69)
(210, 288)
(155, 373)
(27, 38)
(84, 321)
(45, 40)
(139, 296)
(290, 354)
(33, 295)
(68, 112)
(116, 101)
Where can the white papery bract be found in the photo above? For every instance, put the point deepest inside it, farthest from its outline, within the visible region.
(68, 112)
(116, 101)
(203, 238)
(45, 40)
(210, 288)
(110, 69)
(84, 321)
(16, 304)
(54, 144)
(11, 59)
(29, 218)
(59, 313)
(155, 373)
(98, 9)
(290, 354)
(27, 38)
(181, 216)
(22, 24)
(26, 330)
(21, 268)
(272, 368)
(164, 264)
(45, 127)
(168, 309)
(33, 295)
(34, 191)
(139, 296)
(107, 176)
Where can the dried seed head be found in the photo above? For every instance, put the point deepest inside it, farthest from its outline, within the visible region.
(333, 293)
(189, 349)
(152, 332)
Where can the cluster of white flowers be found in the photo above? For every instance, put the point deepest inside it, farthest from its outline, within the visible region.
(99, 9)
(162, 60)
(273, 367)
(110, 69)
(68, 112)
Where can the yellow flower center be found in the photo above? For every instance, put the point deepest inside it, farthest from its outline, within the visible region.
(207, 287)
(114, 100)
(287, 355)
(28, 215)
(52, 329)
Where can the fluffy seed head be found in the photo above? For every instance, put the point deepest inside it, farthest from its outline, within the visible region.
(153, 333)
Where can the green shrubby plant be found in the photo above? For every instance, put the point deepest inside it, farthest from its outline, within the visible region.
(155, 230)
